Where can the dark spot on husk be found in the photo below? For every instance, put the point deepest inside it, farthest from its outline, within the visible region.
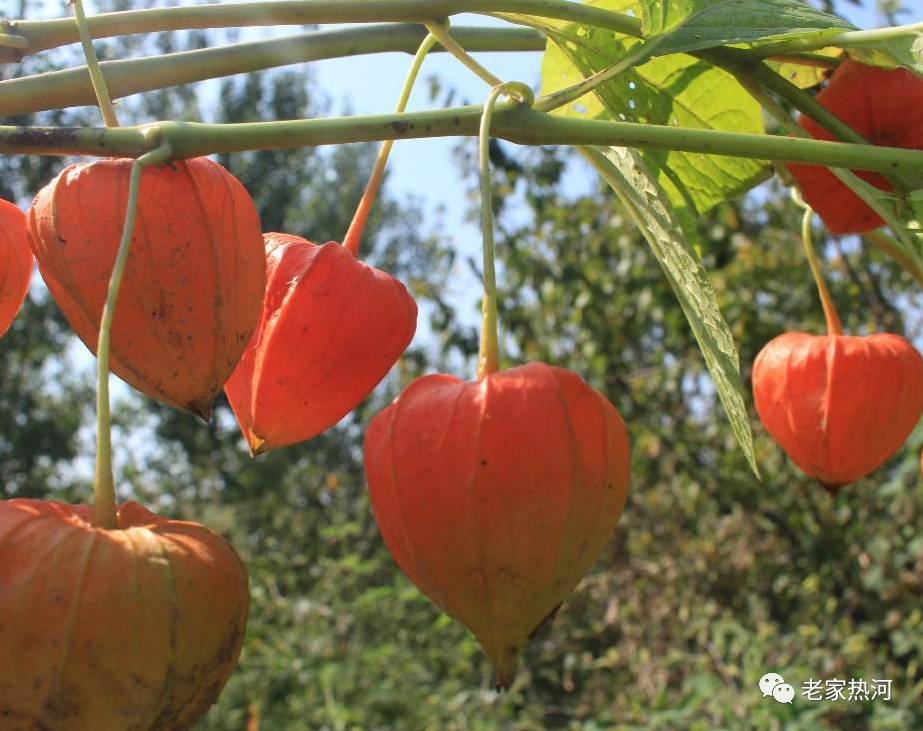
(10, 719)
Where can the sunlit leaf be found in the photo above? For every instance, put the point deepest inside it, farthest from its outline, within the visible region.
(645, 201)
(677, 90)
(698, 24)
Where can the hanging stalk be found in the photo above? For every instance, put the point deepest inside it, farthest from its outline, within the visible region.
(834, 326)
(354, 234)
(104, 512)
(489, 355)
(96, 74)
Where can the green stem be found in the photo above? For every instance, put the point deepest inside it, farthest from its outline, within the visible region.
(489, 355)
(354, 234)
(817, 60)
(805, 103)
(834, 326)
(892, 248)
(769, 104)
(518, 125)
(45, 34)
(15, 43)
(105, 510)
(72, 87)
(737, 61)
(96, 74)
(441, 34)
(846, 39)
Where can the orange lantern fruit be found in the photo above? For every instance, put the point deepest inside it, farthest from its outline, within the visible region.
(15, 263)
(839, 405)
(332, 328)
(133, 629)
(495, 497)
(195, 276)
(885, 106)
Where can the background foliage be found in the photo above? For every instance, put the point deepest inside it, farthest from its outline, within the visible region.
(712, 578)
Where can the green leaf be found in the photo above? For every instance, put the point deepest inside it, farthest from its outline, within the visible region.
(697, 24)
(905, 51)
(671, 90)
(646, 202)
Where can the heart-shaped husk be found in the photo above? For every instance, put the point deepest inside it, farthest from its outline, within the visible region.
(194, 280)
(839, 405)
(332, 328)
(495, 497)
(134, 629)
(15, 263)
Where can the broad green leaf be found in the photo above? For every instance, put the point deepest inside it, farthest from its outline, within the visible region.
(677, 90)
(697, 24)
(645, 201)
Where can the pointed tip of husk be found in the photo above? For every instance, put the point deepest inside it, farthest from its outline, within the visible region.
(832, 490)
(201, 409)
(503, 680)
(257, 445)
(505, 661)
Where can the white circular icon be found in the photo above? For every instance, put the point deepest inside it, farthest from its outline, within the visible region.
(783, 692)
(770, 681)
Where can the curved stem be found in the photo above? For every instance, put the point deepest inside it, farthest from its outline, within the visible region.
(887, 245)
(96, 74)
(441, 33)
(44, 34)
(489, 355)
(834, 326)
(104, 512)
(357, 225)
